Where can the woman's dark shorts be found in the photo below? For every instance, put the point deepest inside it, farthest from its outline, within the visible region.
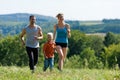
(63, 45)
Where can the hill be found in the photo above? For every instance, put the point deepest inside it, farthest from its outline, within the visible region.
(13, 24)
(23, 17)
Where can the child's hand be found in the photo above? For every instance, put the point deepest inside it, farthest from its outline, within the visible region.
(55, 51)
(46, 57)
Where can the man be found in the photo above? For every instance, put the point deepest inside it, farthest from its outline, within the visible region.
(33, 34)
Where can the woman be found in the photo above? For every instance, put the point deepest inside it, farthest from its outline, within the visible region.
(61, 35)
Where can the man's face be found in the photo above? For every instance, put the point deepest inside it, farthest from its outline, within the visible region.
(33, 19)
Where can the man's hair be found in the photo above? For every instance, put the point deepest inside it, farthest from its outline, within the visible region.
(31, 16)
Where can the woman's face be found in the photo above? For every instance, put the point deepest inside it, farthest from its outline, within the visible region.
(61, 18)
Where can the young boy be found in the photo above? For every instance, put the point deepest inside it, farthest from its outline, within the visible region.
(48, 50)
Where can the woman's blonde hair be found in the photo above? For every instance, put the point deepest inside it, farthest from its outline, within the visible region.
(59, 14)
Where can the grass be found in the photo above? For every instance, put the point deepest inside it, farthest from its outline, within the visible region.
(88, 23)
(18, 73)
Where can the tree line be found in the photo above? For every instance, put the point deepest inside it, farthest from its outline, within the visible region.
(13, 28)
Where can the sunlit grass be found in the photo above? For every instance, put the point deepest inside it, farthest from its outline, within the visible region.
(18, 73)
(88, 23)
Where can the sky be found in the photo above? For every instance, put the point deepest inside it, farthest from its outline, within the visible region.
(72, 9)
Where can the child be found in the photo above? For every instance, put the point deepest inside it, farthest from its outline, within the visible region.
(48, 50)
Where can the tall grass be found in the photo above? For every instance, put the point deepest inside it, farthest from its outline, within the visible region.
(23, 73)
(88, 23)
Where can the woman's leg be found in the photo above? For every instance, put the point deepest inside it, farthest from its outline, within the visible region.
(64, 52)
(61, 57)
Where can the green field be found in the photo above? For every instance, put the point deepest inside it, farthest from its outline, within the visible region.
(23, 73)
(88, 23)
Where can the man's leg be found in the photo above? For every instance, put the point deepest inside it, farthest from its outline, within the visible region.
(30, 55)
(35, 55)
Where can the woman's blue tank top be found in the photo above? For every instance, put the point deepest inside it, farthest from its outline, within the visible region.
(61, 35)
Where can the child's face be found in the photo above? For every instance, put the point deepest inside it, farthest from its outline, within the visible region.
(49, 37)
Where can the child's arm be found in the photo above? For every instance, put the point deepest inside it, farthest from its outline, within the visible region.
(44, 54)
(44, 48)
(55, 48)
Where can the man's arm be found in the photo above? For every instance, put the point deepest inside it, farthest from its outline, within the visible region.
(40, 34)
(22, 36)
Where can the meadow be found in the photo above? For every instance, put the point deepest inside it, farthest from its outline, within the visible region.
(23, 73)
(88, 23)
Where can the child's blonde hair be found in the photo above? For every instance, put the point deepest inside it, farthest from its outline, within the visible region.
(51, 34)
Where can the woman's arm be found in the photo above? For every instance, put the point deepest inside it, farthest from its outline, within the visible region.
(54, 32)
(68, 30)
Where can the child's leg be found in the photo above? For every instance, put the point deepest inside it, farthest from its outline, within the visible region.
(51, 63)
(45, 64)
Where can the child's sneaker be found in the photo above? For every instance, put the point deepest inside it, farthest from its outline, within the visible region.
(44, 69)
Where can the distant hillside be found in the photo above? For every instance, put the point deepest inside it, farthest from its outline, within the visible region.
(14, 23)
(23, 17)
(11, 24)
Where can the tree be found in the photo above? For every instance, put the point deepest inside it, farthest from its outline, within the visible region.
(88, 55)
(110, 38)
(111, 55)
(96, 43)
(77, 42)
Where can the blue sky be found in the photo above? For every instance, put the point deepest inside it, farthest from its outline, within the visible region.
(72, 9)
